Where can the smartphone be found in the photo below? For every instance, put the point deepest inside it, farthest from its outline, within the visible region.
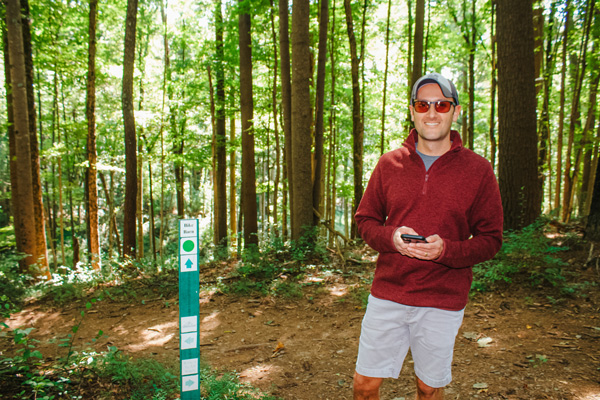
(413, 238)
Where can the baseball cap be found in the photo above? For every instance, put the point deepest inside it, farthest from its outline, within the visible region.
(445, 85)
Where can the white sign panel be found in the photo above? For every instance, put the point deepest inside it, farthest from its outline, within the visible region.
(189, 383)
(188, 228)
(189, 367)
(189, 324)
(189, 340)
(188, 263)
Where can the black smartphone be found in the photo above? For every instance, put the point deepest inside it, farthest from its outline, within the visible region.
(413, 238)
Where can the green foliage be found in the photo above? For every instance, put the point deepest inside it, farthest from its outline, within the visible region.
(12, 283)
(215, 386)
(527, 251)
(144, 378)
(276, 267)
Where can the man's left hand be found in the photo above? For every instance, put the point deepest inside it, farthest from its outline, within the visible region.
(427, 251)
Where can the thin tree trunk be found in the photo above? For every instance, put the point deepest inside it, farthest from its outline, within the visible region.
(544, 159)
(492, 135)
(561, 113)
(417, 65)
(319, 104)
(286, 104)
(275, 118)
(221, 141)
(357, 123)
(91, 171)
(575, 118)
(131, 184)
(385, 76)
(247, 111)
(232, 180)
(166, 75)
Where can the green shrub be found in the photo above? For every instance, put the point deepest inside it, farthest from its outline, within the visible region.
(527, 250)
(216, 386)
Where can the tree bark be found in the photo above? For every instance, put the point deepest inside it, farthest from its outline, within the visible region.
(221, 141)
(24, 193)
(493, 85)
(131, 184)
(385, 77)
(357, 123)
(561, 113)
(91, 186)
(301, 120)
(580, 63)
(319, 104)
(417, 65)
(518, 173)
(286, 104)
(38, 206)
(249, 203)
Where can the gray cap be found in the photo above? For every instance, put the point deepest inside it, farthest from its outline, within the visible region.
(445, 85)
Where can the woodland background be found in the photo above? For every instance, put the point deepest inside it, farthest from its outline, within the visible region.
(265, 120)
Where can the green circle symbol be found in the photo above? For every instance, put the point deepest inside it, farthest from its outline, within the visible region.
(188, 246)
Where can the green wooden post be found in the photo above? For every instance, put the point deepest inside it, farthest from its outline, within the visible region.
(189, 309)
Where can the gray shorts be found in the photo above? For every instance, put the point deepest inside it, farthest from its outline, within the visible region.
(389, 329)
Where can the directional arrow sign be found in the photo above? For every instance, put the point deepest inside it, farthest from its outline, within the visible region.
(189, 383)
(189, 263)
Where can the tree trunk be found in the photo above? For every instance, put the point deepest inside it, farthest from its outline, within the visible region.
(385, 76)
(286, 103)
(221, 140)
(131, 184)
(24, 194)
(319, 104)
(575, 117)
(586, 142)
(561, 113)
(544, 159)
(472, 48)
(357, 123)
(247, 111)
(38, 206)
(91, 187)
(492, 135)
(232, 180)
(518, 173)
(301, 119)
(332, 163)
(275, 123)
(417, 65)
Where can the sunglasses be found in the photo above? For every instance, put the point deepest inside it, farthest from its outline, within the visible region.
(442, 106)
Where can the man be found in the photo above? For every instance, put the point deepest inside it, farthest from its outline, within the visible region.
(433, 187)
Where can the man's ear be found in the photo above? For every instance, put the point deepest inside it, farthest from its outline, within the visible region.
(412, 113)
(457, 110)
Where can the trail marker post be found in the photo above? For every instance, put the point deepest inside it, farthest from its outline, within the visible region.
(189, 309)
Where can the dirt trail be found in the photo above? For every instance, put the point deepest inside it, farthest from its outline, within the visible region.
(306, 348)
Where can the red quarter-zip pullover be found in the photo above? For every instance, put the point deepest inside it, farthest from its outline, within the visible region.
(458, 199)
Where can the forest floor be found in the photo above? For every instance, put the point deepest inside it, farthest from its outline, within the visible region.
(517, 342)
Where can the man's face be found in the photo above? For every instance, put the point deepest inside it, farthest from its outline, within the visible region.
(431, 125)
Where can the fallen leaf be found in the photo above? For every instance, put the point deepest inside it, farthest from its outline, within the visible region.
(280, 346)
(485, 342)
(481, 385)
